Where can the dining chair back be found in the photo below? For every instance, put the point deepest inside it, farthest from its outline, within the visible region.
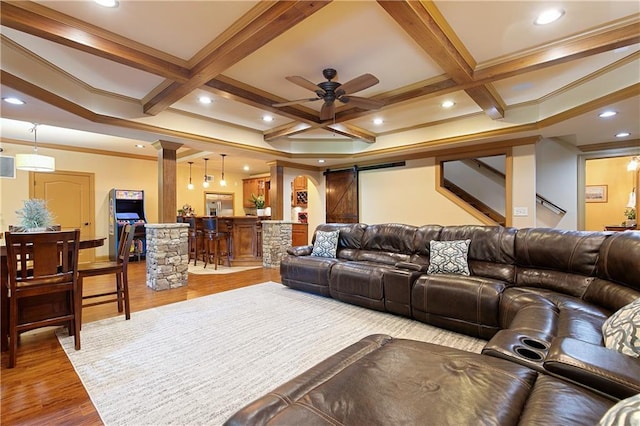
(41, 266)
(118, 267)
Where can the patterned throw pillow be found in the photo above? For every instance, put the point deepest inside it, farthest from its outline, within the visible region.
(449, 257)
(326, 244)
(621, 331)
(625, 412)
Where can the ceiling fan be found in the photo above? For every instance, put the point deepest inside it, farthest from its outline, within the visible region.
(329, 91)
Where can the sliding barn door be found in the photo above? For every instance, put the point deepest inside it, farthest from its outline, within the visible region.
(342, 196)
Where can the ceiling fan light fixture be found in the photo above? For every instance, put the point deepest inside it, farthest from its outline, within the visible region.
(549, 16)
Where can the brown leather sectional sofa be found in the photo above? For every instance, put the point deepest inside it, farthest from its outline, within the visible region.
(538, 296)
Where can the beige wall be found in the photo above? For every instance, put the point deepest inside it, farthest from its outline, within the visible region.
(523, 192)
(109, 172)
(613, 173)
(407, 195)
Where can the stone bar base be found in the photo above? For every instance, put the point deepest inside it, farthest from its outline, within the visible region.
(276, 239)
(167, 255)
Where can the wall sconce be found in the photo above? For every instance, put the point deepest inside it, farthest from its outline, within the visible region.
(633, 164)
(190, 185)
(222, 181)
(34, 162)
(205, 183)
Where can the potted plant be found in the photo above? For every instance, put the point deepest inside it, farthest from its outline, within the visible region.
(34, 216)
(258, 202)
(630, 213)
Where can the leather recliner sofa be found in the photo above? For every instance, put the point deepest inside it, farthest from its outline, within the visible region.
(538, 296)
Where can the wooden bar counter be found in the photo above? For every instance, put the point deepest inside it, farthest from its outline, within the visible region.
(246, 238)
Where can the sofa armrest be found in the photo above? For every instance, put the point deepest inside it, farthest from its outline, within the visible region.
(300, 250)
(594, 366)
(412, 266)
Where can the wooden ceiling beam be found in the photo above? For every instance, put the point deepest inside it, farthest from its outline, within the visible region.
(424, 23)
(40, 21)
(578, 47)
(286, 130)
(243, 93)
(275, 18)
(351, 132)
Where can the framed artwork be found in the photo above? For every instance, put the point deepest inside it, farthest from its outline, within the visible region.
(595, 194)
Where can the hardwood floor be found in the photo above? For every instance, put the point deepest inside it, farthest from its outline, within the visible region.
(43, 387)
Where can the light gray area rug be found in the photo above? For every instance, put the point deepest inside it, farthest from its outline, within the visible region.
(199, 361)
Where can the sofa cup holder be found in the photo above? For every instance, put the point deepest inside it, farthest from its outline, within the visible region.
(534, 343)
(530, 354)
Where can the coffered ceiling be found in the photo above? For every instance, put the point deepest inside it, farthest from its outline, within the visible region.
(110, 78)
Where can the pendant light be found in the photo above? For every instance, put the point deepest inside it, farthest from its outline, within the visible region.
(222, 181)
(205, 183)
(34, 162)
(190, 186)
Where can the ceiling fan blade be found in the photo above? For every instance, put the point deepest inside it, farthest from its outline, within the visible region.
(298, 101)
(359, 83)
(363, 103)
(303, 82)
(327, 111)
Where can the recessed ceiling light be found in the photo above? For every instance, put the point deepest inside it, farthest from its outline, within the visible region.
(606, 114)
(245, 168)
(378, 121)
(107, 3)
(448, 104)
(320, 161)
(205, 100)
(622, 134)
(267, 118)
(549, 16)
(13, 101)
(139, 145)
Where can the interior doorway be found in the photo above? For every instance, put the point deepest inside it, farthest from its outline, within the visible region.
(70, 197)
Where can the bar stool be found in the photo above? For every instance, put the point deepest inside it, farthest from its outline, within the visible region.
(195, 240)
(212, 239)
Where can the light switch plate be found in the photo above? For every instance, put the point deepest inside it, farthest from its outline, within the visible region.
(521, 211)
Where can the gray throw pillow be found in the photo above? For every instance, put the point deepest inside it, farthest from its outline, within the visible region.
(621, 331)
(624, 413)
(449, 257)
(325, 244)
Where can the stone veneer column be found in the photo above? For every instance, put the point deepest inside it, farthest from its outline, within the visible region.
(167, 255)
(276, 238)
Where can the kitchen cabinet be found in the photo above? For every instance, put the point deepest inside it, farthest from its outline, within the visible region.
(299, 234)
(299, 195)
(257, 186)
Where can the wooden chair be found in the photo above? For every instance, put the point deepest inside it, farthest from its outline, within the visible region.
(42, 266)
(117, 267)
